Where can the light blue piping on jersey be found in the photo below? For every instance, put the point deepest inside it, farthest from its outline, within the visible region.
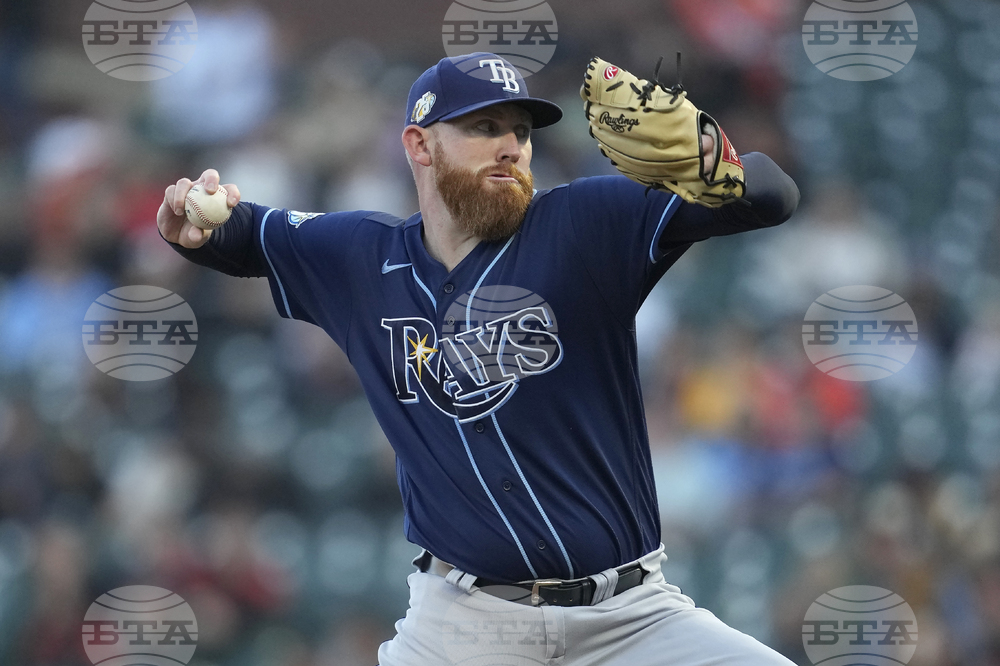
(659, 227)
(424, 287)
(534, 499)
(493, 416)
(468, 306)
(281, 288)
(510, 528)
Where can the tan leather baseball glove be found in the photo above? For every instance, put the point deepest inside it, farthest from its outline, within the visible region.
(653, 135)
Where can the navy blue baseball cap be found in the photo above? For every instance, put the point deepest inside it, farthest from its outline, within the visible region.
(460, 85)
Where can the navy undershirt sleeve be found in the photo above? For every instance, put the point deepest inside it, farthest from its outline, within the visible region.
(772, 194)
(230, 249)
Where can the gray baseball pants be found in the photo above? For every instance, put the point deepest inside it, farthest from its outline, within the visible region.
(450, 621)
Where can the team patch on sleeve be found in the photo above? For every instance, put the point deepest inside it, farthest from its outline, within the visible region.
(295, 218)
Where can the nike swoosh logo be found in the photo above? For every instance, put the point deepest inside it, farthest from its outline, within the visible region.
(386, 268)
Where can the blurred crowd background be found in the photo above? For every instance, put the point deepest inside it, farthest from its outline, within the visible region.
(256, 483)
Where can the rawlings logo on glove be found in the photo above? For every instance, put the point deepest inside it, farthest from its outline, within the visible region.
(653, 135)
(621, 124)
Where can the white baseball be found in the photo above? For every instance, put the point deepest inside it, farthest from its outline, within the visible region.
(207, 211)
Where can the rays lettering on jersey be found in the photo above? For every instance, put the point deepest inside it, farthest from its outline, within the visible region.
(473, 373)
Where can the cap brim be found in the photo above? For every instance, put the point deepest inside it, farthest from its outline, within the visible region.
(543, 112)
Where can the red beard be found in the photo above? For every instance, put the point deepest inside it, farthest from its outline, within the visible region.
(490, 211)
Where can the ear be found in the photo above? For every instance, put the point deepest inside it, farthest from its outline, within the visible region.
(416, 141)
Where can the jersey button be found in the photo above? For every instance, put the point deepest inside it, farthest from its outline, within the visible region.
(507, 485)
(448, 288)
(541, 544)
(479, 426)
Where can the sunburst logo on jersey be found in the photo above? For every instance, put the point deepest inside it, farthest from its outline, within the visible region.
(422, 353)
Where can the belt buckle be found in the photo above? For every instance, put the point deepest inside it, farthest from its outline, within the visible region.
(547, 582)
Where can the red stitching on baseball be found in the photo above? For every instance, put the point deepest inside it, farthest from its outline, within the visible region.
(201, 213)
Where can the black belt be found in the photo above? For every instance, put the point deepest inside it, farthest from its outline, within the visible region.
(551, 592)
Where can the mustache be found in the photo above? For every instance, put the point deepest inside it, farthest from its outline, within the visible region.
(503, 168)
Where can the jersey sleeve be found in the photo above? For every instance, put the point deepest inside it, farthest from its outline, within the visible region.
(308, 265)
(773, 197)
(617, 225)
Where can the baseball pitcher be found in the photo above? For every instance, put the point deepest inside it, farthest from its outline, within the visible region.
(494, 334)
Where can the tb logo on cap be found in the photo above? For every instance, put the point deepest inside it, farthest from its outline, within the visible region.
(502, 74)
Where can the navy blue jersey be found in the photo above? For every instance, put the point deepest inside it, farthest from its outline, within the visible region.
(507, 387)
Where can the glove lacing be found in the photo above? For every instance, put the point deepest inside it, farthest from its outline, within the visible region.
(646, 92)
